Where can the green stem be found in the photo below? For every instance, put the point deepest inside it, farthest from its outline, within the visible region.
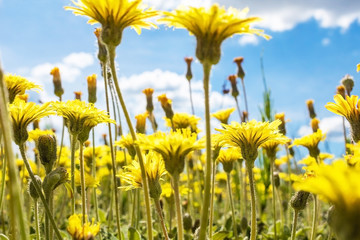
(113, 162)
(245, 98)
(273, 195)
(191, 100)
(72, 159)
(315, 217)
(62, 138)
(245, 197)
(180, 228)
(39, 191)
(3, 175)
(36, 213)
(294, 223)
(93, 170)
(159, 212)
(249, 168)
(238, 108)
(208, 168)
(212, 202)
(232, 205)
(17, 216)
(344, 131)
(111, 50)
(133, 212)
(82, 179)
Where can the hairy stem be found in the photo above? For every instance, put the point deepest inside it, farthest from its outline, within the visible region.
(82, 182)
(294, 223)
(314, 220)
(253, 200)
(180, 228)
(273, 195)
(159, 212)
(232, 205)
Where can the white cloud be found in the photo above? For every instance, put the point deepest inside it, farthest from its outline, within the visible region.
(280, 15)
(325, 42)
(248, 39)
(80, 60)
(332, 126)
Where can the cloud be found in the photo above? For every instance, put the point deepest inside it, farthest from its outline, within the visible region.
(279, 15)
(332, 126)
(325, 42)
(80, 60)
(249, 40)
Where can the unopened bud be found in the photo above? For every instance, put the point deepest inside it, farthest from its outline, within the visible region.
(87, 143)
(32, 190)
(276, 179)
(244, 224)
(341, 90)
(102, 54)
(58, 90)
(149, 99)
(104, 136)
(91, 81)
(244, 116)
(166, 105)
(315, 124)
(234, 89)
(188, 61)
(310, 106)
(36, 124)
(240, 73)
(187, 221)
(78, 95)
(23, 97)
(348, 82)
(281, 117)
(299, 200)
(53, 179)
(47, 151)
(141, 122)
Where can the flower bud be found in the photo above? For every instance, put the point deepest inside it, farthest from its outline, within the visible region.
(36, 124)
(141, 122)
(310, 106)
(281, 117)
(154, 189)
(149, 100)
(166, 105)
(315, 124)
(240, 73)
(102, 54)
(276, 179)
(244, 224)
(91, 81)
(348, 82)
(187, 221)
(188, 61)
(341, 90)
(234, 89)
(78, 95)
(32, 190)
(58, 90)
(299, 200)
(47, 151)
(53, 179)
(244, 116)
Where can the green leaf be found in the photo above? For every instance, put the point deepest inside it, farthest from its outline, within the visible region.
(220, 235)
(133, 234)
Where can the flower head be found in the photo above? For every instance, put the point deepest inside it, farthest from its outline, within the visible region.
(311, 142)
(58, 89)
(173, 147)
(227, 157)
(183, 121)
(250, 136)
(141, 122)
(17, 85)
(114, 16)
(79, 231)
(127, 142)
(211, 26)
(22, 114)
(223, 115)
(272, 145)
(349, 108)
(81, 117)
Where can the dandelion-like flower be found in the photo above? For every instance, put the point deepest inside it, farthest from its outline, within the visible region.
(250, 136)
(348, 108)
(272, 145)
(17, 85)
(114, 16)
(311, 142)
(127, 142)
(223, 115)
(81, 117)
(173, 147)
(183, 121)
(22, 114)
(79, 231)
(211, 26)
(141, 122)
(338, 184)
(227, 157)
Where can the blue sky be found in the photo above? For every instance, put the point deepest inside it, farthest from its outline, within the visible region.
(313, 46)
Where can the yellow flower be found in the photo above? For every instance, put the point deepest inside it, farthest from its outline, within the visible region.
(81, 117)
(358, 67)
(90, 181)
(17, 85)
(227, 157)
(141, 122)
(338, 184)
(155, 170)
(308, 161)
(82, 232)
(272, 145)
(349, 108)
(127, 142)
(211, 26)
(223, 115)
(173, 147)
(249, 136)
(166, 105)
(22, 114)
(182, 121)
(36, 133)
(115, 16)
(281, 160)
(311, 142)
